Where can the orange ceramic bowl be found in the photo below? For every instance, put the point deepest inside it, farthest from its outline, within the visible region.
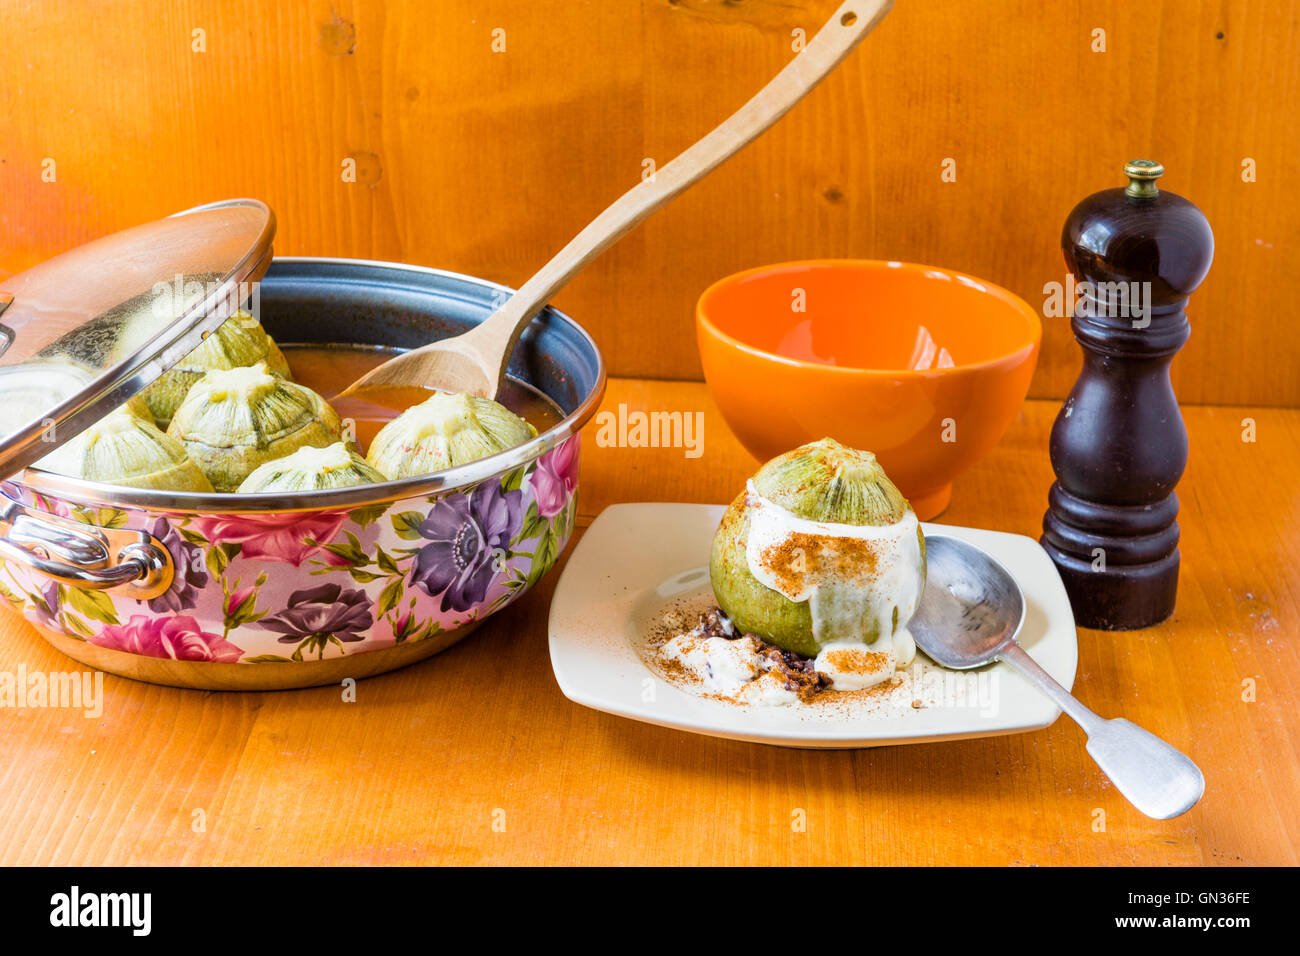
(801, 350)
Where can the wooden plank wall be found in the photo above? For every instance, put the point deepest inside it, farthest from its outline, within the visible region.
(486, 161)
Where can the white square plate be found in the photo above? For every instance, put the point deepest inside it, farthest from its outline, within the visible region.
(638, 560)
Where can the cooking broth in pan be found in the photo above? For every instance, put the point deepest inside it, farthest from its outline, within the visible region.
(328, 369)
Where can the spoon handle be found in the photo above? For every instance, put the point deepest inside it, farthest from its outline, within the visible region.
(833, 42)
(1156, 778)
(1015, 655)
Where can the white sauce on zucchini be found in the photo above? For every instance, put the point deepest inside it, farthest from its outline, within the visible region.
(853, 577)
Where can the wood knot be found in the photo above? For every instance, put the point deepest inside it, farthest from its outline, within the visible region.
(338, 37)
(364, 169)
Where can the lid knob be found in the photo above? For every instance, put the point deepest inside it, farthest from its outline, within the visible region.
(1142, 175)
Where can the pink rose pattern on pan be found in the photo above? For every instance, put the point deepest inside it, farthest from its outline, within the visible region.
(212, 612)
(178, 637)
(556, 477)
(291, 538)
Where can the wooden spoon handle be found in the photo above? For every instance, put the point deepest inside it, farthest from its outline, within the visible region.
(833, 42)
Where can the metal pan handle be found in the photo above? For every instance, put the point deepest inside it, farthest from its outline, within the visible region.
(133, 563)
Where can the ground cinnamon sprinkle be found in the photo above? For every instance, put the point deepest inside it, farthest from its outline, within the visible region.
(855, 660)
(676, 672)
(849, 702)
(795, 672)
(801, 556)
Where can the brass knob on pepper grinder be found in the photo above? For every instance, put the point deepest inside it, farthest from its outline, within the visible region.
(1119, 446)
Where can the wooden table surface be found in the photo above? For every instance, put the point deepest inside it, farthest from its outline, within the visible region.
(476, 757)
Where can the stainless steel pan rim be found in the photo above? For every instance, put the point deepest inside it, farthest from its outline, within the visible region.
(97, 493)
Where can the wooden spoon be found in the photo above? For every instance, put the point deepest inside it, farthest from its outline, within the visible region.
(475, 361)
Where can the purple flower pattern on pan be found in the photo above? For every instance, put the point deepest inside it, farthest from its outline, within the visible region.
(467, 533)
(259, 588)
(190, 576)
(319, 616)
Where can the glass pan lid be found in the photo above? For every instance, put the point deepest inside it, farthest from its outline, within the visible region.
(83, 332)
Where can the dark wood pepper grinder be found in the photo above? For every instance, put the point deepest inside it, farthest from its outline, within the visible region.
(1119, 445)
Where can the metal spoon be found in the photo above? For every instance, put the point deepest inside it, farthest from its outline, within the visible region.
(970, 614)
(475, 361)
